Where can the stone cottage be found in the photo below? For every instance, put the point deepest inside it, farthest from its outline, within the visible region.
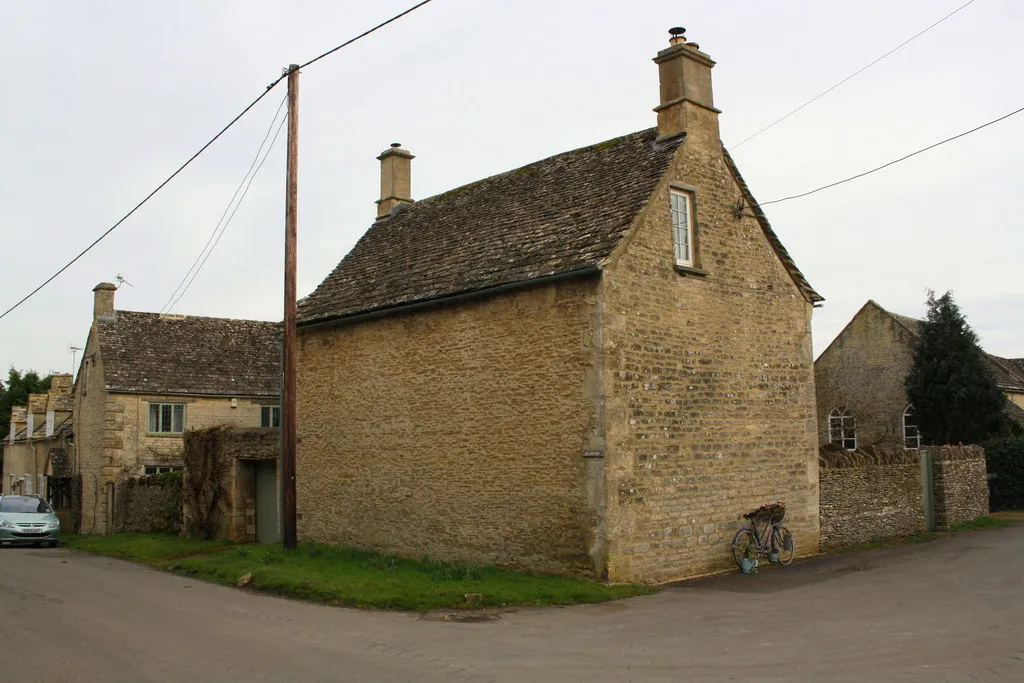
(859, 379)
(35, 444)
(591, 364)
(146, 378)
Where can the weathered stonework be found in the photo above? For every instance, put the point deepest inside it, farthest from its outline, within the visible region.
(960, 484)
(457, 432)
(235, 450)
(864, 369)
(709, 382)
(147, 504)
(865, 497)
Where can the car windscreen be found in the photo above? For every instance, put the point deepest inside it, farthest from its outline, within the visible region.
(23, 504)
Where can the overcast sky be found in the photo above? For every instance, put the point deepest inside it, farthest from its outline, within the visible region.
(103, 99)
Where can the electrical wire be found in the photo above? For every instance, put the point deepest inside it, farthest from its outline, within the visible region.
(216, 228)
(851, 76)
(894, 161)
(201, 150)
(233, 211)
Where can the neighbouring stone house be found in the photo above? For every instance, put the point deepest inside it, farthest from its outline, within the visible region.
(146, 378)
(860, 382)
(34, 451)
(591, 364)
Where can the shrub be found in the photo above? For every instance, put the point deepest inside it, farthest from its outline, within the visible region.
(1005, 458)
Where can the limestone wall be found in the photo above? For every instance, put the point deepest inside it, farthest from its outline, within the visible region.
(148, 504)
(219, 483)
(458, 432)
(960, 484)
(868, 495)
(709, 378)
(864, 369)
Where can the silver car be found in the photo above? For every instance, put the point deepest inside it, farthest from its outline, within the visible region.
(28, 520)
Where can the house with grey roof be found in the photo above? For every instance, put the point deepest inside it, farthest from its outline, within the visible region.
(147, 378)
(593, 364)
(860, 382)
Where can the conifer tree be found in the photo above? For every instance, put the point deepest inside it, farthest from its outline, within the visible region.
(950, 386)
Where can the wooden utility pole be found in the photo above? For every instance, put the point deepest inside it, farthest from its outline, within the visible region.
(291, 219)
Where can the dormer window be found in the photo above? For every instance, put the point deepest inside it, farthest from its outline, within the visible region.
(682, 226)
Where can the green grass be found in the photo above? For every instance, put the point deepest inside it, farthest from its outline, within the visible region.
(339, 576)
(152, 549)
(983, 522)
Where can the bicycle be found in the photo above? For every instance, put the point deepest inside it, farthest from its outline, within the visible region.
(774, 541)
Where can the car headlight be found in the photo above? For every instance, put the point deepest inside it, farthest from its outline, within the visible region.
(55, 524)
(5, 524)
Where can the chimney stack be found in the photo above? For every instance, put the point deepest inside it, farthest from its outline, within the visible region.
(686, 98)
(395, 179)
(103, 299)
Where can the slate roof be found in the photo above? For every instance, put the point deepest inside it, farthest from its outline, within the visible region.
(561, 215)
(173, 354)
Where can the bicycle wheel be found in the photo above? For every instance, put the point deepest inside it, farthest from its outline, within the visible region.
(786, 545)
(744, 545)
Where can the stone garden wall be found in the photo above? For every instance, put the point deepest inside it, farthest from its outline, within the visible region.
(869, 494)
(148, 504)
(960, 484)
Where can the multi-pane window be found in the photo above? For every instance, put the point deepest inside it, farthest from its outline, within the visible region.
(682, 227)
(842, 428)
(911, 432)
(162, 469)
(270, 416)
(167, 418)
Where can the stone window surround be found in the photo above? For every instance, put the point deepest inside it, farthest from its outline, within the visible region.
(157, 469)
(842, 428)
(693, 265)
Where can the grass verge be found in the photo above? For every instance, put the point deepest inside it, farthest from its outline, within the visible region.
(353, 578)
(983, 522)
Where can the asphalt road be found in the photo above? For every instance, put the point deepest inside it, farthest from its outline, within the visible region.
(949, 610)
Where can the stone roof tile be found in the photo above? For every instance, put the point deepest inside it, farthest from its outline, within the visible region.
(174, 354)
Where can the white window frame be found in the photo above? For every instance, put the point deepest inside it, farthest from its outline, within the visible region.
(160, 406)
(842, 428)
(270, 412)
(681, 213)
(908, 437)
(161, 469)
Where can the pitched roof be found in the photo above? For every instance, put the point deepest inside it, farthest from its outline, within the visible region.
(787, 261)
(555, 216)
(1007, 373)
(175, 354)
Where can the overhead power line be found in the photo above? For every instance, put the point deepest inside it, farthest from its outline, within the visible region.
(851, 76)
(227, 222)
(216, 228)
(894, 161)
(203, 149)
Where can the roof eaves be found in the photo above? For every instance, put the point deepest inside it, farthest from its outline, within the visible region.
(780, 250)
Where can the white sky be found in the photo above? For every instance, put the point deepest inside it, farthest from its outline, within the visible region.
(103, 99)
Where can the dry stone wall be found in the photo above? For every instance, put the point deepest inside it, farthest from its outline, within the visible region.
(149, 504)
(869, 494)
(960, 484)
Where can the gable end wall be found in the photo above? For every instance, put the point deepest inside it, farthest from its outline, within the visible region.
(864, 369)
(710, 408)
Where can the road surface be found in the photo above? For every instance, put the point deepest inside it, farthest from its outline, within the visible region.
(948, 610)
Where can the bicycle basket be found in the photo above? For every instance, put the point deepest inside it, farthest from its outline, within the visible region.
(776, 513)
